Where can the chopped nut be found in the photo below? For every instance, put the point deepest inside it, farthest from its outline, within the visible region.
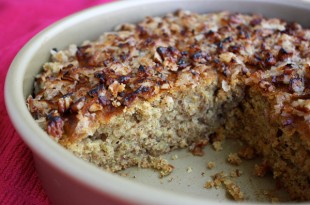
(225, 86)
(116, 88)
(55, 125)
(95, 107)
(227, 57)
(116, 103)
(165, 86)
(64, 104)
(78, 105)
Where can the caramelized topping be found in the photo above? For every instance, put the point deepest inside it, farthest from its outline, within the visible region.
(137, 62)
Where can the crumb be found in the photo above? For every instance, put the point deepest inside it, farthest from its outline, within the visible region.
(124, 174)
(174, 157)
(247, 153)
(235, 173)
(170, 179)
(217, 145)
(218, 178)
(271, 195)
(211, 165)
(234, 159)
(233, 190)
(189, 170)
(209, 185)
(197, 148)
(261, 169)
(134, 177)
(203, 174)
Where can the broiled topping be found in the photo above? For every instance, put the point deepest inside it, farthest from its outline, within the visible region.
(101, 77)
(103, 100)
(116, 88)
(256, 21)
(296, 85)
(137, 62)
(283, 54)
(78, 105)
(94, 92)
(55, 125)
(64, 103)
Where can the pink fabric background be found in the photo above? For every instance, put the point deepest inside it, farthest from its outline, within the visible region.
(19, 21)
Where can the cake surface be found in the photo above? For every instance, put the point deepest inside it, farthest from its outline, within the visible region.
(183, 80)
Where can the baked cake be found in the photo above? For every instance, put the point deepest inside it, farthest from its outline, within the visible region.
(179, 81)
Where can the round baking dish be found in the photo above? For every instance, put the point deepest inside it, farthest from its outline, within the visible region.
(67, 179)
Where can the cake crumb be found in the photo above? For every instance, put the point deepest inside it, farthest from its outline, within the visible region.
(233, 190)
(211, 165)
(234, 159)
(189, 170)
(124, 174)
(271, 195)
(231, 187)
(170, 179)
(235, 173)
(217, 146)
(174, 157)
(247, 153)
(218, 178)
(260, 170)
(209, 185)
(197, 147)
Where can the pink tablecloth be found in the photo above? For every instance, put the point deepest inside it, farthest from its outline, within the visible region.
(19, 21)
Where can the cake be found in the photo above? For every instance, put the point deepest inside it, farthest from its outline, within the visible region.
(183, 80)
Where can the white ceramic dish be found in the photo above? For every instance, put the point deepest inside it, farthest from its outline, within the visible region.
(69, 180)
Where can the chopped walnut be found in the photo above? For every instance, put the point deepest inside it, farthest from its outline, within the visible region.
(116, 88)
(55, 125)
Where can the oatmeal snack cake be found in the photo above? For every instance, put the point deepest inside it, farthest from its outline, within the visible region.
(179, 81)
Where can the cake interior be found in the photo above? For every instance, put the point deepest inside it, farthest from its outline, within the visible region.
(196, 117)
